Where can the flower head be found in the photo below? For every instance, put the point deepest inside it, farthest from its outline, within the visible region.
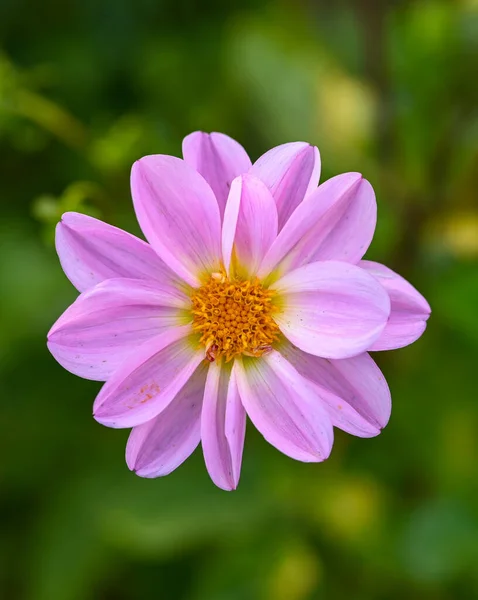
(251, 297)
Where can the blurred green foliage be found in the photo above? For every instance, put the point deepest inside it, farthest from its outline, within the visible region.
(386, 88)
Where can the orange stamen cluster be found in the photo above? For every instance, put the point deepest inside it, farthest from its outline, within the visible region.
(234, 317)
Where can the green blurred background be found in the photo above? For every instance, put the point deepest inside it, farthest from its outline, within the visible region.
(388, 89)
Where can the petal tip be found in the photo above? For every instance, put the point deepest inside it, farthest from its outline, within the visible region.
(132, 464)
(144, 473)
(316, 152)
(145, 161)
(108, 421)
(427, 309)
(98, 417)
(316, 456)
(140, 472)
(357, 178)
(226, 486)
(312, 148)
(66, 218)
(139, 163)
(63, 228)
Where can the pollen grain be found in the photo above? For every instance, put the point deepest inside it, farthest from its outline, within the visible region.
(234, 317)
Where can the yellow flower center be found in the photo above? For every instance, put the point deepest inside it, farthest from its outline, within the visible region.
(234, 317)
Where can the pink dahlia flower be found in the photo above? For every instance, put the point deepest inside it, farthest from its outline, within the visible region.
(251, 297)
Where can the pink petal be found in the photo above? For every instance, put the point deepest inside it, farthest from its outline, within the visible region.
(178, 214)
(147, 382)
(409, 309)
(335, 222)
(284, 407)
(218, 158)
(106, 323)
(331, 309)
(250, 225)
(290, 171)
(91, 251)
(223, 426)
(159, 446)
(354, 390)
(235, 428)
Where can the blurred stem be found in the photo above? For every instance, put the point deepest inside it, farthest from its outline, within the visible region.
(51, 117)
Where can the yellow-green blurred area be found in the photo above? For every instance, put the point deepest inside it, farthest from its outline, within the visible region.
(385, 88)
